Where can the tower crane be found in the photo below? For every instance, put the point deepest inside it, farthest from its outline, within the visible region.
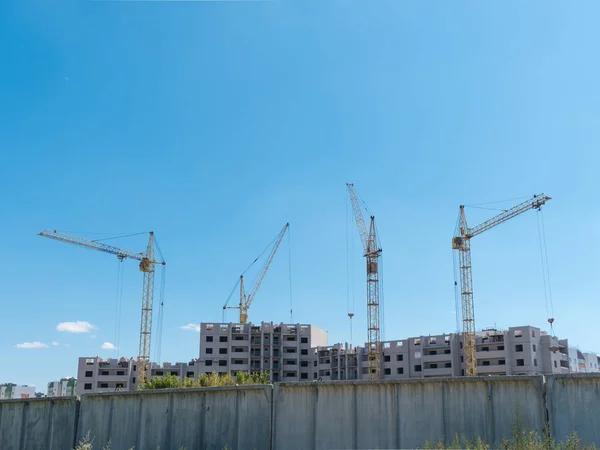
(147, 266)
(246, 299)
(462, 243)
(371, 253)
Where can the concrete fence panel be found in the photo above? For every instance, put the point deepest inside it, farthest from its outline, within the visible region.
(487, 407)
(420, 412)
(375, 416)
(516, 393)
(207, 418)
(294, 416)
(574, 406)
(44, 424)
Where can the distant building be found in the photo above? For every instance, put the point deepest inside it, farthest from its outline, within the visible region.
(12, 391)
(519, 351)
(300, 352)
(581, 362)
(98, 375)
(284, 350)
(65, 387)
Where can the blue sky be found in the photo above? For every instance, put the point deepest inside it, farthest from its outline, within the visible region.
(215, 123)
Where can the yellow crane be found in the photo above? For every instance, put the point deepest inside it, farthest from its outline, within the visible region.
(462, 243)
(371, 253)
(246, 299)
(147, 266)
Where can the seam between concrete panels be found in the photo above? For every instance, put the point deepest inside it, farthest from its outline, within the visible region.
(76, 407)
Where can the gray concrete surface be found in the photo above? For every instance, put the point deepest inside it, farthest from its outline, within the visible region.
(403, 414)
(324, 415)
(574, 406)
(32, 424)
(207, 418)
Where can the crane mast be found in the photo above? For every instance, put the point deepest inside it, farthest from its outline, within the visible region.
(372, 253)
(462, 243)
(147, 266)
(246, 299)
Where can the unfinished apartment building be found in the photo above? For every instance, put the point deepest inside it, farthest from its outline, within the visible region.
(99, 375)
(519, 351)
(285, 350)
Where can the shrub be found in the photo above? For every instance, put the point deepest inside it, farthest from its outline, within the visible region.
(206, 379)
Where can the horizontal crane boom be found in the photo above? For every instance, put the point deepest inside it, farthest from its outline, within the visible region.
(535, 202)
(95, 245)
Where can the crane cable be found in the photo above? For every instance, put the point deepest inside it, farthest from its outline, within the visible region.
(118, 306)
(545, 269)
(161, 298)
(161, 314)
(349, 274)
(290, 273)
(271, 244)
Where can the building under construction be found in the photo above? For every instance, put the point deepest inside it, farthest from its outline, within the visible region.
(522, 350)
(300, 352)
(284, 350)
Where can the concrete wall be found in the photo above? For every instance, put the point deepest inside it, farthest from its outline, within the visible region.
(341, 415)
(207, 418)
(402, 414)
(574, 405)
(34, 424)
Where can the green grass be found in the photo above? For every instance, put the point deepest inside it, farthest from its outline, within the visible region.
(521, 439)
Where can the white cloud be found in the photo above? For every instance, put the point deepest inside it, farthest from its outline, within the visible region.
(75, 327)
(108, 346)
(56, 344)
(191, 327)
(31, 345)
